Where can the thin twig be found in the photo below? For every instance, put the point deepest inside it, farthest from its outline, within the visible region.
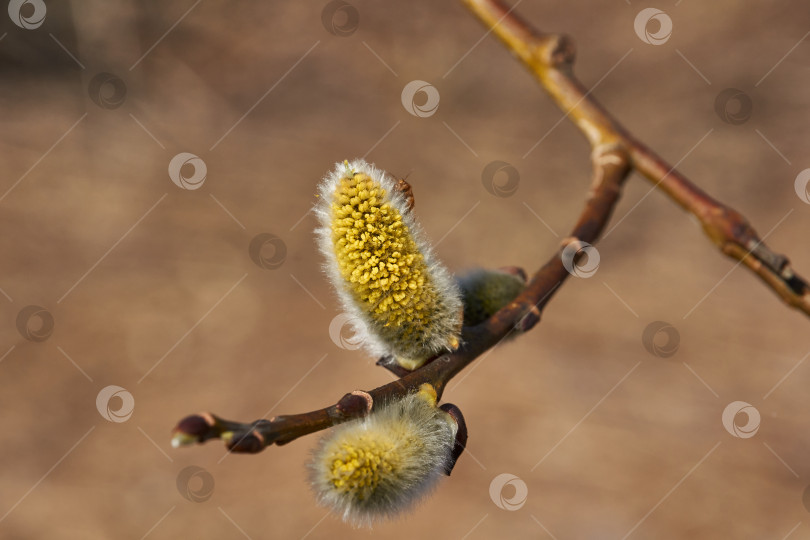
(615, 154)
(611, 168)
(550, 58)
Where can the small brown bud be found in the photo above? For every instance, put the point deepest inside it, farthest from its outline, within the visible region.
(195, 428)
(355, 404)
(461, 434)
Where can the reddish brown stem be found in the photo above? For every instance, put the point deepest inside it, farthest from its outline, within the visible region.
(615, 154)
(611, 168)
(550, 59)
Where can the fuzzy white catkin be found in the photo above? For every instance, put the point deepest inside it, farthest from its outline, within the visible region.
(403, 301)
(381, 465)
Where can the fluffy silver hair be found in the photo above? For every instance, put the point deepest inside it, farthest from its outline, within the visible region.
(444, 325)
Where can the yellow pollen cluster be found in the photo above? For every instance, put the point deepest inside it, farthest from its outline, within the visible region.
(358, 467)
(370, 468)
(378, 256)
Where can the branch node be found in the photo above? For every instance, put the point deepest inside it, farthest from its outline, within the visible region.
(249, 443)
(354, 404)
(529, 319)
(389, 363)
(775, 261)
(560, 51)
(609, 153)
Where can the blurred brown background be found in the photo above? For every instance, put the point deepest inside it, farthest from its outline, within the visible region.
(152, 287)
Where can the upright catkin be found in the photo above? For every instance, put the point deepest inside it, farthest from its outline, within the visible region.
(404, 302)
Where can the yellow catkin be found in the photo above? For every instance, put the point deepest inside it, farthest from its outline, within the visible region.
(386, 276)
(377, 254)
(359, 465)
(378, 466)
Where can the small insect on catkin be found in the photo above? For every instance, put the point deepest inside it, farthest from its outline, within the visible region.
(404, 302)
(378, 466)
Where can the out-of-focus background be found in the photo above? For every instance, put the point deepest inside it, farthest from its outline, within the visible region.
(155, 294)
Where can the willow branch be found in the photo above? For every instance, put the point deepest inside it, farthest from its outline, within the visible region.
(611, 168)
(550, 58)
(615, 154)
